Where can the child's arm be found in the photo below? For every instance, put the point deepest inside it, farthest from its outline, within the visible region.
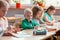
(25, 26)
(41, 21)
(5, 23)
(46, 19)
(53, 18)
(50, 23)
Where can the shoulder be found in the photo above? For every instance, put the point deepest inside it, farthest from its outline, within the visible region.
(45, 14)
(5, 18)
(33, 20)
(24, 20)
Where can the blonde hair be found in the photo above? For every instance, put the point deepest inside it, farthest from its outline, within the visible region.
(27, 10)
(4, 4)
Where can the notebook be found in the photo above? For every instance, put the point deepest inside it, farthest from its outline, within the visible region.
(20, 34)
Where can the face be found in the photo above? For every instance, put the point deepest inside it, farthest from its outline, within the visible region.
(3, 11)
(51, 12)
(39, 14)
(28, 16)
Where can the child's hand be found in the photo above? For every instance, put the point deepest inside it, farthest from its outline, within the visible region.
(18, 29)
(50, 24)
(6, 31)
(15, 30)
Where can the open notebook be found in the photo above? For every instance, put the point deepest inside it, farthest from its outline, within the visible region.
(20, 34)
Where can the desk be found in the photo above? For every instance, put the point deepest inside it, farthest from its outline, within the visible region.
(39, 37)
(33, 37)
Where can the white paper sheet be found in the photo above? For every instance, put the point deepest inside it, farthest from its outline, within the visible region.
(21, 34)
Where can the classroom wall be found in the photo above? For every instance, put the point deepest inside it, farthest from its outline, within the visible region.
(57, 12)
(12, 12)
(20, 12)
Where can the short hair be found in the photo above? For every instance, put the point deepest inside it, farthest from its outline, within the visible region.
(35, 9)
(27, 10)
(3, 4)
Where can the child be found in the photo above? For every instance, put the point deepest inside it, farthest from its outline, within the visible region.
(48, 15)
(28, 23)
(37, 14)
(3, 20)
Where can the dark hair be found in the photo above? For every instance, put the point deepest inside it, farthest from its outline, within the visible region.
(51, 8)
(35, 9)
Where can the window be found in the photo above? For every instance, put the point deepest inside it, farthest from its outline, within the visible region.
(23, 2)
(55, 3)
(47, 3)
(26, 2)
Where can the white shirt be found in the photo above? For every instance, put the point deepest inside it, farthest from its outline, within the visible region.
(3, 23)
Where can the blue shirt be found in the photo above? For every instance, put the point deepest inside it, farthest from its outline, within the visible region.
(36, 22)
(48, 16)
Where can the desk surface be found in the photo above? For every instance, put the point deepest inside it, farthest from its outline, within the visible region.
(38, 37)
(33, 37)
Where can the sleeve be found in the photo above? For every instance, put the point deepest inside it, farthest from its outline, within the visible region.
(45, 14)
(26, 26)
(6, 23)
(36, 23)
(53, 18)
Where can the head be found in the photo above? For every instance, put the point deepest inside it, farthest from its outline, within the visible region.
(51, 10)
(28, 14)
(37, 12)
(3, 8)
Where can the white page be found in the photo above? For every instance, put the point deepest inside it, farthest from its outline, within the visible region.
(20, 34)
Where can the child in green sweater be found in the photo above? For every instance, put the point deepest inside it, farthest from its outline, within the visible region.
(28, 23)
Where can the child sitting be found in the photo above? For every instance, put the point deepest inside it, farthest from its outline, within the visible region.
(3, 20)
(37, 14)
(48, 15)
(28, 23)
